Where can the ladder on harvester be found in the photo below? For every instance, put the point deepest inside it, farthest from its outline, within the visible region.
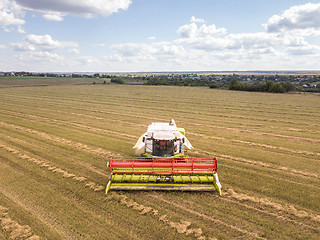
(164, 173)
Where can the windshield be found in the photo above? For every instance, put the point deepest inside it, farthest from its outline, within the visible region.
(163, 148)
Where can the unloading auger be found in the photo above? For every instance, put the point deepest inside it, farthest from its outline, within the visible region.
(163, 164)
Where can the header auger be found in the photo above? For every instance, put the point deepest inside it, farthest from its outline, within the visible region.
(164, 164)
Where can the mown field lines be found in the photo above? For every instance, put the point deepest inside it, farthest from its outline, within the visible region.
(55, 140)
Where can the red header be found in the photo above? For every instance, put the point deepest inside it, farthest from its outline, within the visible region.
(163, 165)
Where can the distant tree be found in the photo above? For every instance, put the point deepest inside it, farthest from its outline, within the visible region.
(288, 86)
(117, 80)
(276, 88)
(235, 85)
(213, 85)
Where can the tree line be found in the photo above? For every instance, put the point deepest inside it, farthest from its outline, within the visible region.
(266, 86)
(234, 84)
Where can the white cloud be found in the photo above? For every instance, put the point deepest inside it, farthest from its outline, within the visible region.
(188, 30)
(83, 8)
(12, 11)
(174, 50)
(211, 30)
(10, 14)
(2, 46)
(191, 30)
(196, 20)
(304, 50)
(46, 42)
(305, 18)
(256, 40)
(115, 58)
(285, 44)
(38, 48)
(164, 52)
(43, 56)
(87, 60)
(53, 16)
(7, 18)
(5, 29)
(133, 49)
(20, 29)
(74, 51)
(206, 47)
(23, 46)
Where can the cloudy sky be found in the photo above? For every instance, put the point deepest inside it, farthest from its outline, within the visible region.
(159, 35)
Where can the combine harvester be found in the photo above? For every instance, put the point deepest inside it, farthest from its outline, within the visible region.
(164, 164)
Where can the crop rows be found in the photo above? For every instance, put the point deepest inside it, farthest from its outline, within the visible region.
(55, 141)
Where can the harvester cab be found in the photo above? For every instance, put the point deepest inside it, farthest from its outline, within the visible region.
(163, 140)
(163, 164)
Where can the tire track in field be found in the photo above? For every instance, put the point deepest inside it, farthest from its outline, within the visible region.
(266, 146)
(283, 178)
(78, 145)
(182, 227)
(208, 126)
(265, 212)
(210, 218)
(260, 164)
(210, 114)
(100, 152)
(207, 153)
(281, 169)
(45, 217)
(216, 138)
(294, 129)
(218, 127)
(228, 198)
(224, 156)
(198, 113)
(50, 120)
(14, 229)
(257, 133)
(202, 125)
(277, 148)
(84, 164)
(135, 137)
(195, 134)
(91, 185)
(44, 164)
(221, 104)
(148, 100)
(201, 113)
(66, 174)
(267, 202)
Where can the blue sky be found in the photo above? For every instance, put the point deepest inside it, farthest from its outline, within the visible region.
(159, 35)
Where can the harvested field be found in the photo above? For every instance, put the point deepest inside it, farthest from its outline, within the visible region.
(55, 141)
